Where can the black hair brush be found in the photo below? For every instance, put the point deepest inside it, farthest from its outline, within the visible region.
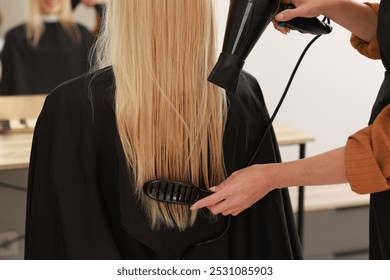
(174, 192)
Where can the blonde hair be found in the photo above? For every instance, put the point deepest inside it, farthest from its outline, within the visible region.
(35, 26)
(169, 118)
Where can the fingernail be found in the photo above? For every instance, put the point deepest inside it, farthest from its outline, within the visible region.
(213, 189)
(282, 24)
(279, 17)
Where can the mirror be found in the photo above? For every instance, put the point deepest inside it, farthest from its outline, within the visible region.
(55, 51)
(14, 12)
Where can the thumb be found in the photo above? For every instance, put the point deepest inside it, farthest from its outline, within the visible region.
(287, 14)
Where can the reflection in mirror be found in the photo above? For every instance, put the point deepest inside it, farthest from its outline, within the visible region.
(46, 49)
(1, 39)
(19, 113)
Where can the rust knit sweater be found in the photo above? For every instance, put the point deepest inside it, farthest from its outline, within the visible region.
(367, 156)
(367, 152)
(369, 49)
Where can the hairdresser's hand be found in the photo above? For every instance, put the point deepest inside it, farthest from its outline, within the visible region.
(238, 192)
(303, 8)
(92, 3)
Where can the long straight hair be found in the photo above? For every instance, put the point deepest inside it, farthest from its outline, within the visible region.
(169, 118)
(35, 26)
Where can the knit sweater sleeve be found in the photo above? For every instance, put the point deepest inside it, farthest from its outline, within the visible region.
(369, 49)
(367, 157)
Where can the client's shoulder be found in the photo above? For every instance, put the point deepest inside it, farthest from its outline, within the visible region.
(87, 85)
(248, 91)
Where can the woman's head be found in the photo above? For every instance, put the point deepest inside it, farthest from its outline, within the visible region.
(51, 7)
(170, 119)
(59, 8)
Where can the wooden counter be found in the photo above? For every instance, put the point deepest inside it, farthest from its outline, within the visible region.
(290, 136)
(15, 150)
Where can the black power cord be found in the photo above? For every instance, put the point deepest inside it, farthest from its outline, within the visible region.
(268, 127)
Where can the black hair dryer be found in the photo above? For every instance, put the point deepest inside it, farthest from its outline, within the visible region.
(247, 20)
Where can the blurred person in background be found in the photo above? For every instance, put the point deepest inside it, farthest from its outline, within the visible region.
(47, 50)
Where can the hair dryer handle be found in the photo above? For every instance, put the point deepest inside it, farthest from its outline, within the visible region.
(306, 25)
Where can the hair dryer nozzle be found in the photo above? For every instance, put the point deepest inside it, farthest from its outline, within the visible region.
(227, 71)
(246, 21)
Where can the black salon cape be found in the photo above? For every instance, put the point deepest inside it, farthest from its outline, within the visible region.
(380, 202)
(35, 70)
(80, 197)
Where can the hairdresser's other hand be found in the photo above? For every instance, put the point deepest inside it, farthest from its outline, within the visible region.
(238, 192)
(92, 3)
(303, 8)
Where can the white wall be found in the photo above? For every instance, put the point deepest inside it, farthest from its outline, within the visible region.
(333, 90)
